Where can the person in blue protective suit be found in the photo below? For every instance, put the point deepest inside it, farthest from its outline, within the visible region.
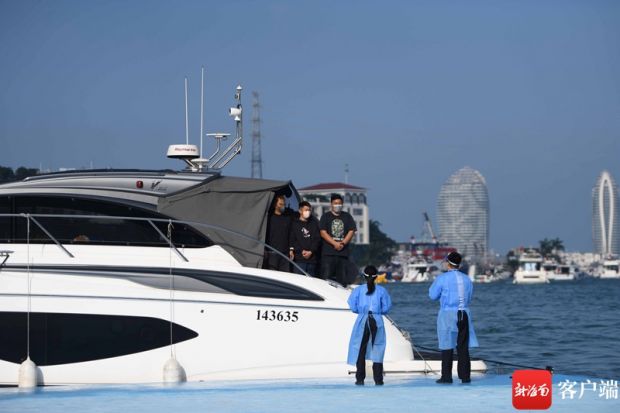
(454, 290)
(369, 302)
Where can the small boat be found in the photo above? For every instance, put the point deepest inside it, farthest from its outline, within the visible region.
(419, 269)
(530, 269)
(563, 272)
(486, 277)
(611, 268)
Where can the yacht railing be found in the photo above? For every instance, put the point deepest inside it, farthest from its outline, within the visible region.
(31, 218)
(151, 221)
(4, 254)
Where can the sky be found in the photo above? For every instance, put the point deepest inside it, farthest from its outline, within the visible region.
(404, 92)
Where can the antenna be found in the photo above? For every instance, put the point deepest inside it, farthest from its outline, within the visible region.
(185, 152)
(257, 162)
(186, 116)
(202, 100)
(346, 173)
(191, 154)
(234, 149)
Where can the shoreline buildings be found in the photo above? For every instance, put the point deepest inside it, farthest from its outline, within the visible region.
(463, 213)
(355, 203)
(605, 222)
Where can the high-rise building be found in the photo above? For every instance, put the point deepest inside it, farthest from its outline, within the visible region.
(463, 213)
(605, 223)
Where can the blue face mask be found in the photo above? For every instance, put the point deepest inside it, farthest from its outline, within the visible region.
(337, 208)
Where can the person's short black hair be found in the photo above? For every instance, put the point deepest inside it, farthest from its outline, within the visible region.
(304, 204)
(454, 258)
(335, 197)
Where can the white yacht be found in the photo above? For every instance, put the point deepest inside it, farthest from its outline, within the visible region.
(556, 271)
(530, 269)
(418, 270)
(128, 276)
(550, 267)
(610, 268)
(563, 272)
(484, 278)
(109, 300)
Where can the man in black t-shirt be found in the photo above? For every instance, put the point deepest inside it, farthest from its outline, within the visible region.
(305, 240)
(337, 230)
(278, 229)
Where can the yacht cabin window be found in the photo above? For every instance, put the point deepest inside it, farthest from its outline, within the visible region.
(530, 266)
(94, 230)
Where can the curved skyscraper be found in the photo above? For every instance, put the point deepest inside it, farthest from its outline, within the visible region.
(463, 212)
(605, 223)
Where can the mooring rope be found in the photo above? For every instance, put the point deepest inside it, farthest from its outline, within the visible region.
(29, 285)
(171, 286)
(502, 363)
(426, 364)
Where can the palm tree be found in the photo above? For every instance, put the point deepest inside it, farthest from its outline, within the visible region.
(556, 245)
(551, 247)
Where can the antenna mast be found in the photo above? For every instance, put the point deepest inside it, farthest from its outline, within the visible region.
(192, 155)
(202, 101)
(257, 162)
(186, 116)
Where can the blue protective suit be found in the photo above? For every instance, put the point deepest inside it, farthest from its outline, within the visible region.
(453, 289)
(379, 302)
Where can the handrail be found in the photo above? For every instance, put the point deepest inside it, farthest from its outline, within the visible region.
(62, 247)
(161, 234)
(5, 254)
(164, 220)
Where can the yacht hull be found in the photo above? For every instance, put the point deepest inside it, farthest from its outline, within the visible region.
(530, 278)
(236, 337)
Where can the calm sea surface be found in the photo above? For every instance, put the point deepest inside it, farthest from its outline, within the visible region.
(573, 326)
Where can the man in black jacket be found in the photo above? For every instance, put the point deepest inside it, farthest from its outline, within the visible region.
(278, 229)
(305, 240)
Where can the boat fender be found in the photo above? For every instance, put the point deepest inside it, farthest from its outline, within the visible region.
(173, 372)
(27, 375)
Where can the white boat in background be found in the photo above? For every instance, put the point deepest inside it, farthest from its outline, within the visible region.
(530, 269)
(492, 273)
(549, 267)
(563, 272)
(556, 271)
(610, 268)
(419, 270)
(486, 277)
(483, 278)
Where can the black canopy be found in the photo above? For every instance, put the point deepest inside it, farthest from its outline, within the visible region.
(237, 204)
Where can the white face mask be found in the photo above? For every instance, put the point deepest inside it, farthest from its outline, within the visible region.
(305, 214)
(337, 208)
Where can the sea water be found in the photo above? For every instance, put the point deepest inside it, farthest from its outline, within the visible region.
(572, 326)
